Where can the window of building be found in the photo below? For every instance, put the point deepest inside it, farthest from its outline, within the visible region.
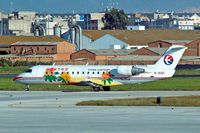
(38, 48)
(52, 49)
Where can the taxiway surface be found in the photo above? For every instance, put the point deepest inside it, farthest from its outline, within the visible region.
(55, 112)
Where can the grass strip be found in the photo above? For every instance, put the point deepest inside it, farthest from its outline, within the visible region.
(175, 83)
(12, 70)
(165, 101)
(8, 84)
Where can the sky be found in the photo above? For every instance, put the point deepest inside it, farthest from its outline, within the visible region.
(86, 6)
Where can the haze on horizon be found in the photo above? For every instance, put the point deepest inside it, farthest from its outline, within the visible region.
(86, 6)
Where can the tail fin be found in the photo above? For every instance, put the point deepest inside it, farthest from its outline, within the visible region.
(171, 57)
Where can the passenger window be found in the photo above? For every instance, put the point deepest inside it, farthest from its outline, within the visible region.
(97, 72)
(77, 72)
(28, 71)
(88, 72)
(72, 72)
(92, 72)
(67, 72)
(82, 72)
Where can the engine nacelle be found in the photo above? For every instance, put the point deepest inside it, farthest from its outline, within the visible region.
(129, 70)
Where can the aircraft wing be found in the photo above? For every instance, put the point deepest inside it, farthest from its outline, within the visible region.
(104, 82)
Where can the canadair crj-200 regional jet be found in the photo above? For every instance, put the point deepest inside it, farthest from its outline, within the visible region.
(104, 76)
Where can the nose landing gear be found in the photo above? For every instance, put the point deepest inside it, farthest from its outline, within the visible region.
(96, 89)
(27, 87)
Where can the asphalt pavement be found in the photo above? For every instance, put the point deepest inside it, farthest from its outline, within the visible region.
(56, 112)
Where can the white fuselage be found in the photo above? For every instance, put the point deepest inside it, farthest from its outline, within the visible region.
(84, 73)
(104, 75)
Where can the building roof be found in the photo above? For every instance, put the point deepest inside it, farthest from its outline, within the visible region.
(178, 41)
(29, 56)
(144, 37)
(159, 51)
(4, 45)
(35, 43)
(14, 39)
(191, 58)
(111, 52)
(136, 58)
(150, 58)
(124, 52)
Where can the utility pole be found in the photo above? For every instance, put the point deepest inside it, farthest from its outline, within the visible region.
(1, 23)
(11, 6)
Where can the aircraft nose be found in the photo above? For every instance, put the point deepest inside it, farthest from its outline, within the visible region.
(16, 78)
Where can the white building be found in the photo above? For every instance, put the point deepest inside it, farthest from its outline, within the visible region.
(96, 18)
(184, 24)
(20, 23)
(90, 21)
(20, 27)
(166, 16)
(26, 15)
(48, 24)
(196, 19)
(158, 15)
(135, 27)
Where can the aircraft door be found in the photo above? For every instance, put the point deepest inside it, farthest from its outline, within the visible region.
(40, 71)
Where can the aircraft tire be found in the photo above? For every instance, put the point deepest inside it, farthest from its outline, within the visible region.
(96, 89)
(106, 88)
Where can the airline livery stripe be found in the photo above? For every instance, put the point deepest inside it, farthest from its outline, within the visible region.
(89, 77)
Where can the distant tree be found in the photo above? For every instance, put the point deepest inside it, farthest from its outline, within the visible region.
(115, 19)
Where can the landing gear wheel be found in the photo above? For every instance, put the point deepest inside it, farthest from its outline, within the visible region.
(106, 88)
(96, 89)
(27, 88)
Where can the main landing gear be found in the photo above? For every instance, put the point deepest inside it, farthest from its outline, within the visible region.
(106, 88)
(97, 88)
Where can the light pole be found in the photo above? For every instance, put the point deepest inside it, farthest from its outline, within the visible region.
(1, 23)
(11, 6)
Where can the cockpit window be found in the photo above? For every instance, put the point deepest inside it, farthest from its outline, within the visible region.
(28, 71)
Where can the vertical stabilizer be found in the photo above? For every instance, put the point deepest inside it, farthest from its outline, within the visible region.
(171, 57)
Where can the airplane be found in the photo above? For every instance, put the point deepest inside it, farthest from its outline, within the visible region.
(103, 76)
